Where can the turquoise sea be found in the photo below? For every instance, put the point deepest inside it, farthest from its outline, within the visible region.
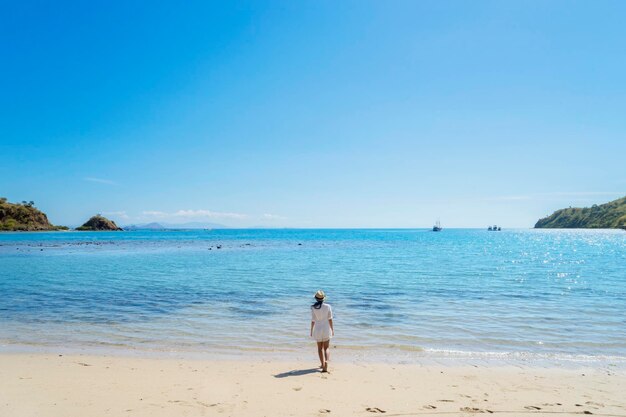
(406, 294)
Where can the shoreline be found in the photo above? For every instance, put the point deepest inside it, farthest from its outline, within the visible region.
(95, 385)
(343, 355)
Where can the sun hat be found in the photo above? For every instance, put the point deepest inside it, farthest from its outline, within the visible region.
(320, 295)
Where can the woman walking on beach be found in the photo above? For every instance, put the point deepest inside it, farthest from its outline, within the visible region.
(322, 328)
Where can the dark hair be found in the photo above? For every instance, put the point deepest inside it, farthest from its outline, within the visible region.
(318, 304)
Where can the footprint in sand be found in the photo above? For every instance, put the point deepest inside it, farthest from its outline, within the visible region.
(594, 404)
(429, 407)
(324, 411)
(532, 407)
(446, 401)
(207, 405)
(375, 410)
(297, 388)
(474, 410)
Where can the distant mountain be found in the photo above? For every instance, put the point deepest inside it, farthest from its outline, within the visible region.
(194, 225)
(24, 217)
(611, 215)
(98, 223)
(174, 226)
(147, 226)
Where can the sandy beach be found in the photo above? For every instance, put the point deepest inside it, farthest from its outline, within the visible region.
(79, 385)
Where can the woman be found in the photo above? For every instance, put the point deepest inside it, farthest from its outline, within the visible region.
(322, 328)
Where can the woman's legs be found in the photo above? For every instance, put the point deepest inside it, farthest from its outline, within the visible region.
(326, 346)
(320, 352)
(327, 350)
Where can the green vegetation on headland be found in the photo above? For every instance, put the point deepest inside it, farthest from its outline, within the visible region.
(98, 223)
(611, 215)
(23, 217)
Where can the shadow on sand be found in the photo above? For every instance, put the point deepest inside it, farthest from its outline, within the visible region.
(298, 372)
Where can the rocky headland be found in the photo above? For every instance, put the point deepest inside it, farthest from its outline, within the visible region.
(611, 215)
(24, 217)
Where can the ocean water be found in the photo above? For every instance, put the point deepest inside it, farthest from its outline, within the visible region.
(406, 294)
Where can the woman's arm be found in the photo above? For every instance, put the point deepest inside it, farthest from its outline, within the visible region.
(312, 324)
(330, 321)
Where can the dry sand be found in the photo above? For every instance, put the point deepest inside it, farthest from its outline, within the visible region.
(44, 385)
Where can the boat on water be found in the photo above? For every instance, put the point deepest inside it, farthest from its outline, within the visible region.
(437, 227)
(494, 228)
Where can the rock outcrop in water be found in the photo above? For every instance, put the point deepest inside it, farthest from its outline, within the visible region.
(611, 215)
(23, 217)
(98, 223)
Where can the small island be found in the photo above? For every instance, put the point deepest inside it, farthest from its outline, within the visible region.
(99, 223)
(24, 217)
(611, 215)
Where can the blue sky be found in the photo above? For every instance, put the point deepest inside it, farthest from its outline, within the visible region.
(313, 114)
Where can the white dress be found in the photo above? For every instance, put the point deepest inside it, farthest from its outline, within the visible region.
(321, 328)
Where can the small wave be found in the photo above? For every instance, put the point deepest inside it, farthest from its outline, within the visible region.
(525, 356)
(405, 348)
